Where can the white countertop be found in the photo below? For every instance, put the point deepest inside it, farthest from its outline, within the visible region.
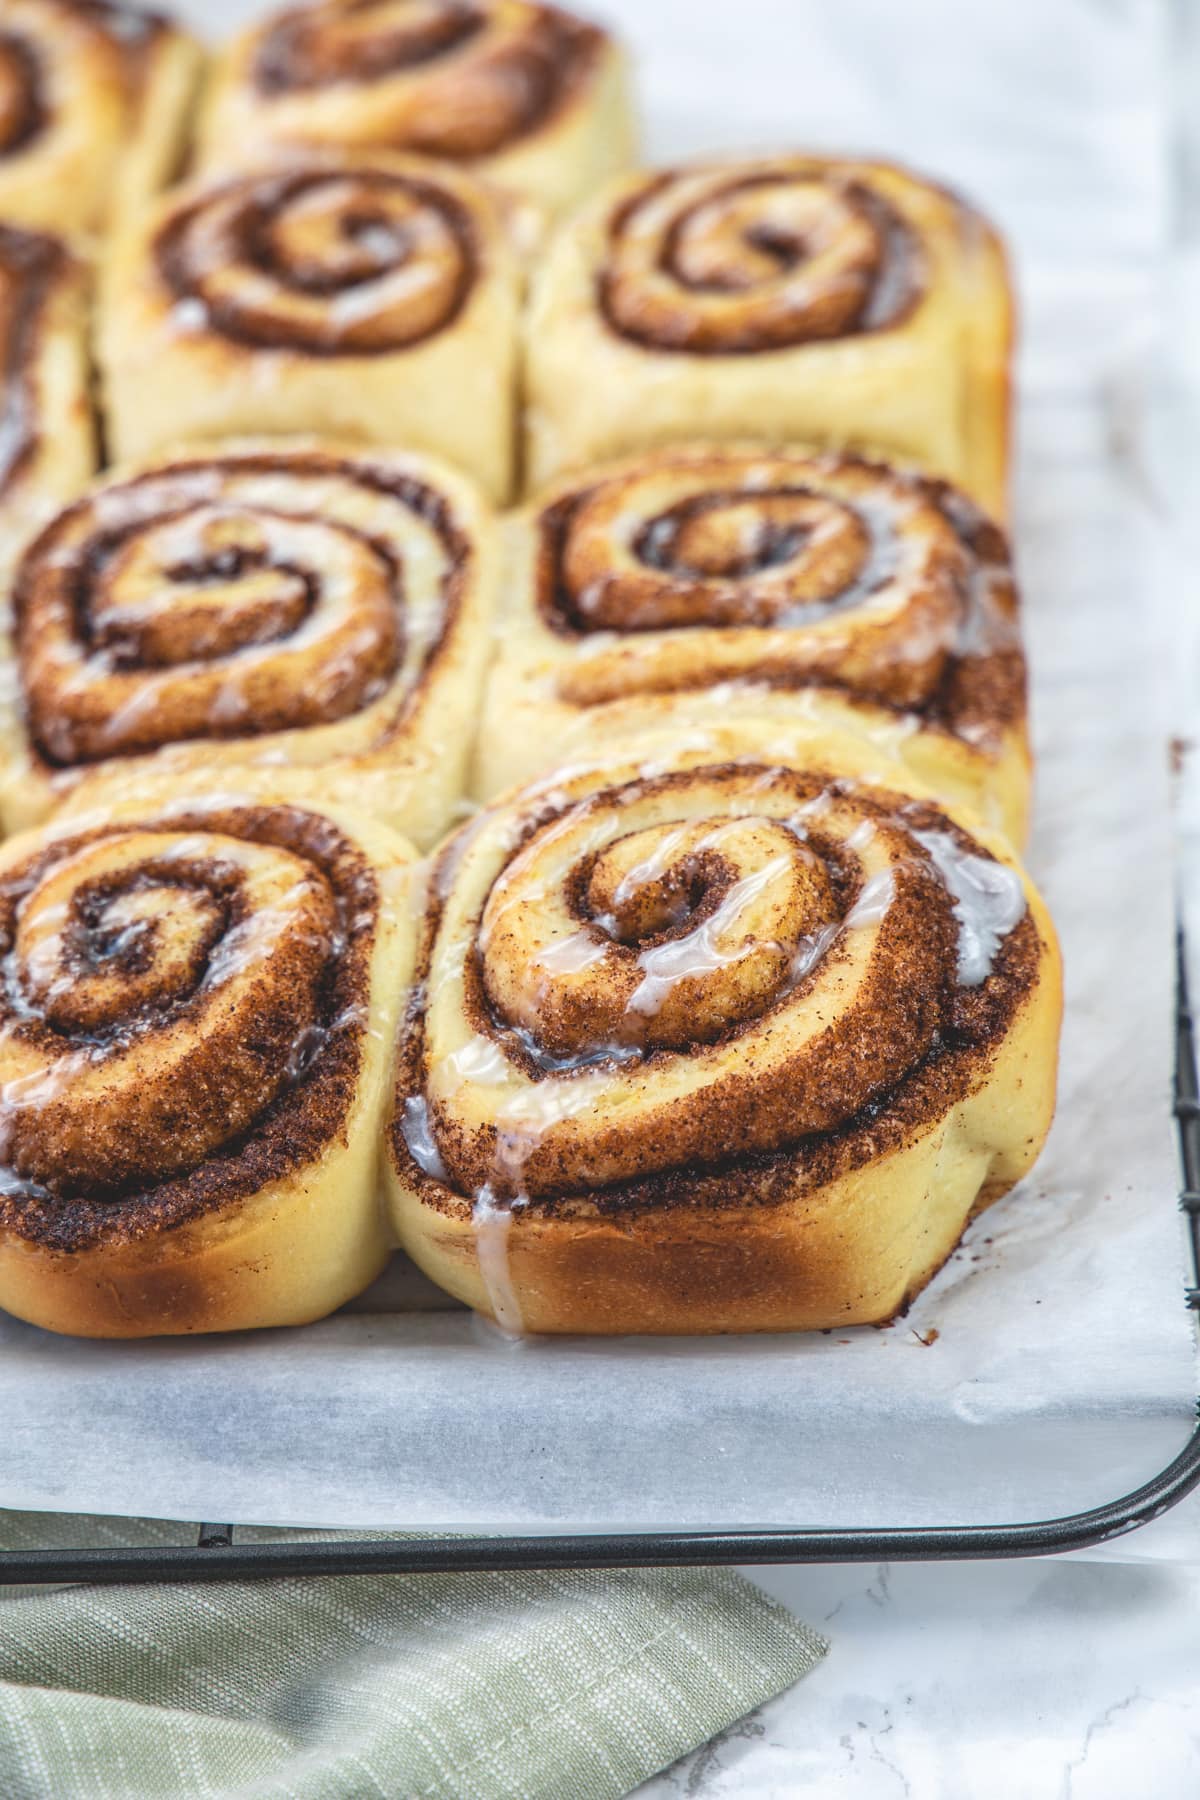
(1040, 1680)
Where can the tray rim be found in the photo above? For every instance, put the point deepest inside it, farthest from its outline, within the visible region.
(217, 1556)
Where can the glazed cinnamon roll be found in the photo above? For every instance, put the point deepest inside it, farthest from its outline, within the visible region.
(810, 592)
(47, 440)
(710, 1044)
(195, 1021)
(94, 97)
(800, 298)
(313, 614)
(372, 298)
(529, 95)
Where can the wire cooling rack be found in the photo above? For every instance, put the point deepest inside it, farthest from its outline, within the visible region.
(218, 1556)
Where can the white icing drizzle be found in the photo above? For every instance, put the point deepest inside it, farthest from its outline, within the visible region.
(189, 315)
(491, 1213)
(17, 1187)
(699, 953)
(873, 902)
(491, 1218)
(478, 1060)
(571, 955)
(532, 1111)
(989, 900)
(809, 951)
(652, 868)
(988, 623)
(816, 808)
(869, 909)
(417, 1131)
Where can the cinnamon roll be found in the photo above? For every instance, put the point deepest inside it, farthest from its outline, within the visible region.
(374, 298)
(801, 298)
(716, 1045)
(810, 592)
(310, 616)
(94, 96)
(47, 440)
(195, 1024)
(531, 96)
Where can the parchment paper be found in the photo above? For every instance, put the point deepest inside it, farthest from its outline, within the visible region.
(1063, 1369)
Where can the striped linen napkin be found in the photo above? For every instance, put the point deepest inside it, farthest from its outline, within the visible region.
(571, 1686)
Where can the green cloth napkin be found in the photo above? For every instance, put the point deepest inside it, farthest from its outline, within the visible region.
(400, 1687)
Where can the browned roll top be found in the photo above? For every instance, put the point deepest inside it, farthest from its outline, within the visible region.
(729, 262)
(127, 33)
(181, 1016)
(321, 260)
(31, 265)
(849, 573)
(228, 597)
(22, 94)
(685, 984)
(489, 71)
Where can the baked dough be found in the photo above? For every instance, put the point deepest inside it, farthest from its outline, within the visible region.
(194, 1049)
(312, 616)
(374, 298)
(810, 592)
(94, 104)
(702, 1043)
(528, 95)
(47, 435)
(789, 298)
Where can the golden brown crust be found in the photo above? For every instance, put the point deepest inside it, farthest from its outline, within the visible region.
(126, 586)
(273, 260)
(104, 1007)
(745, 260)
(127, 34)
(852, 574)
(92, 97)
(652, 1000)
(303, 609)
(33, 266)
(486, 74)
(362, 296)
(794, 298)
(200, 1000)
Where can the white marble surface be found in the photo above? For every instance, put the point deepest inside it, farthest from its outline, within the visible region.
(1058, 1680)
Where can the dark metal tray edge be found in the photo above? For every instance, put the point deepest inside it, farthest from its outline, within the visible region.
(217, 1556)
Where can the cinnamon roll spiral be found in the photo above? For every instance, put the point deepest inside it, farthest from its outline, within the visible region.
(193, 1024)
(713, 1046)
(529, 93)
(93, 95)
(319, 615)
(376, 298)
(269, 263)
(813, 591)
(743, 260)
(47, 444)
(797, 298)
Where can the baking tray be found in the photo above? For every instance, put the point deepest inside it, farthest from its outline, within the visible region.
(936, 135)
(218, 1556)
